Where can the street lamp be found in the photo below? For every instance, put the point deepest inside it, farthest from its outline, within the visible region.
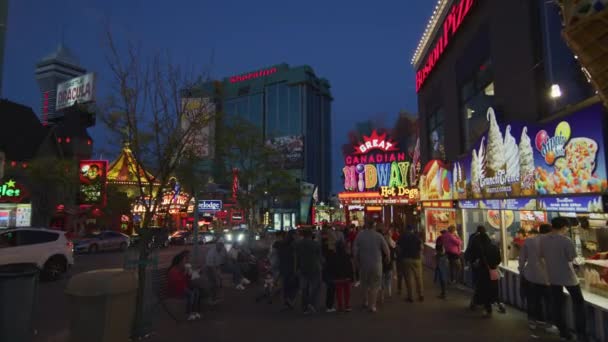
(555, 92)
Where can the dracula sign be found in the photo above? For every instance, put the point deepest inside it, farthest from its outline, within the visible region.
(77, 90)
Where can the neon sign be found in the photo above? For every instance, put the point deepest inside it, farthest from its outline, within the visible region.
(10, 192)
(377, 163)
(375, 142)
(452, 23)
(253, 75)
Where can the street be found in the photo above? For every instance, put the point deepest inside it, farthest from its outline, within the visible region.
(239, 317)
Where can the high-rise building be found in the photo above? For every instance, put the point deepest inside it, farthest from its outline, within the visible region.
(56, 68)
(288, 104)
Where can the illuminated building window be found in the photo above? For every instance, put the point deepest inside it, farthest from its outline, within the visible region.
(476, 96)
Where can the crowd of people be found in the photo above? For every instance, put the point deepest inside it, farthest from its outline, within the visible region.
(374, 257)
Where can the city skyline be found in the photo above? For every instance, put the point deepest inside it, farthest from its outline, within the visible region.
(365, 57)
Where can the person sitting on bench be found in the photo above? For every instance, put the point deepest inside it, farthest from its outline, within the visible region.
(179, 285)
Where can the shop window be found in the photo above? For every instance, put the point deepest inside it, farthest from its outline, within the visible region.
(476, 96)
(436, 134)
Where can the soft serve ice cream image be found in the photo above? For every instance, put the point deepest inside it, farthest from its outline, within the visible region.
(495, 150)
(526, 164)
(512, 161)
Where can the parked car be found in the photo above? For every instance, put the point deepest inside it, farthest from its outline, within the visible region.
(186, 237)
(49, 249)
(103, 241)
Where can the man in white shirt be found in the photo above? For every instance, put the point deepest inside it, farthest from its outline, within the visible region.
(216, 257)
(535, 281)
(558, 253)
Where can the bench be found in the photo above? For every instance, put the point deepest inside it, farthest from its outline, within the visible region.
(174, 307)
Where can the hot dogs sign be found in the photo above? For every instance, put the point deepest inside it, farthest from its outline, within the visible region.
(565, 157)
(377, 164)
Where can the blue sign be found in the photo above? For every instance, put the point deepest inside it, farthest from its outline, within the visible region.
(519, 204)
(209, 205)
(468, 204)
(583, 204)
(489, 204)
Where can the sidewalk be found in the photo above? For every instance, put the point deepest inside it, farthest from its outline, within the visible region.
(239, 318)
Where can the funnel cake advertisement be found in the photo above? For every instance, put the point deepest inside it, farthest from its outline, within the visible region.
(566, 156)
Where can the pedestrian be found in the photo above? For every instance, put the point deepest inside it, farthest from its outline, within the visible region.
(179, 286)
(369, 249)
(471, 251)
(233, 266)
(308, 260)
(487, 256)
(442, 265)
(216, 257)
(558, 253)
(350, 239)
(328, 250)
(534, 280)
(287, 269)
(453, 249)
(410, 254)
(343, 277)
(388, 264)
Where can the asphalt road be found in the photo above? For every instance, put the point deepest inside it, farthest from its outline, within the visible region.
(239, 318)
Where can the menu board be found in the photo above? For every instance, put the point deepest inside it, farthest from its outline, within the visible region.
(518, 204)
(587, 204)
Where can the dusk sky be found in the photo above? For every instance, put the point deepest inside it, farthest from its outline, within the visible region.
(363, 48)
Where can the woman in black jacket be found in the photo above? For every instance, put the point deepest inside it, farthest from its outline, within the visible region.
(343, 277)
(287, 268)
(487, 256)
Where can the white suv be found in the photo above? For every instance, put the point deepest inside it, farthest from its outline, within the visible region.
(49, 249)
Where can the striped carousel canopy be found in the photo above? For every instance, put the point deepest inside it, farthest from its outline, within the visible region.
(124, 170)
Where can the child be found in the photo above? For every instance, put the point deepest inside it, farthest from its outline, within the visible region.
(344, 277)
(269, 282)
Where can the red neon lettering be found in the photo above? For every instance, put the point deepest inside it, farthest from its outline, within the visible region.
(252, 75)
(452, 23)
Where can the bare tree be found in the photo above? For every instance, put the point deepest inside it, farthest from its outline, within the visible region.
(150, 110)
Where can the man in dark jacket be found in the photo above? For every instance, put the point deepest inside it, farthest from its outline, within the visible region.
(308, 261)
(409, 249)
(287, 268)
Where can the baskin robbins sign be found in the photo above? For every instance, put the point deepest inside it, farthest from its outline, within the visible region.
(566, 156)
(378, 165)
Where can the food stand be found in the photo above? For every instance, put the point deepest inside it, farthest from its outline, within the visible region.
(512, 185)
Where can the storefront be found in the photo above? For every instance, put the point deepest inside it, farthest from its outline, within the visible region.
(521, 176)
(380, 183)
(15, 207)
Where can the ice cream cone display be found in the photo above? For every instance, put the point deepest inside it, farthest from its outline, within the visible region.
(495, 151)
(512, 160)
(526, 164)
(585, 29)
(562, 157)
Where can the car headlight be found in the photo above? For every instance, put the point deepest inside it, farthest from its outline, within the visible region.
(229, 237)
(241, 237)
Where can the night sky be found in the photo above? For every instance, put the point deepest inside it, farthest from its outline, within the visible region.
(364, 49)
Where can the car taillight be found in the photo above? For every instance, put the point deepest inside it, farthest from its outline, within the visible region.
(70, 244)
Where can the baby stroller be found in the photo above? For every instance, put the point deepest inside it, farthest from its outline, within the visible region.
(268, 281)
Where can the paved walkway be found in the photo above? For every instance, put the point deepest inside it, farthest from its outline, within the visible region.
(239, 318)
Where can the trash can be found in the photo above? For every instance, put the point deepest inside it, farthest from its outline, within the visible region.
(18, 286)
(101, 305)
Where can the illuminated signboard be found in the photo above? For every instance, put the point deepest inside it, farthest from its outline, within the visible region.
(10, 191)
(253, 75)
(80, 89)
(92, 189)
(451, 24)
(377, 164)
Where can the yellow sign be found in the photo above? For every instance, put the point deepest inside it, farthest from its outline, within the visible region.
(399, 191)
